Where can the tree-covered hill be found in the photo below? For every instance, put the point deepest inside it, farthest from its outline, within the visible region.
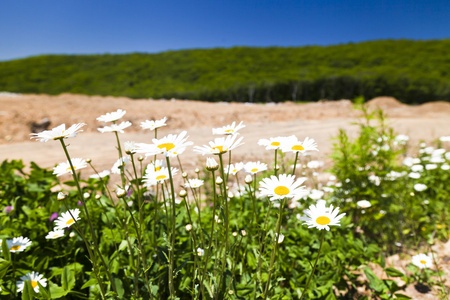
(412, 71)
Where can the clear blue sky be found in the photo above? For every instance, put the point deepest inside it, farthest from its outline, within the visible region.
(33, 27)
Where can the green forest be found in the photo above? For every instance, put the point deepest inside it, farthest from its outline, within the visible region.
(411, 71)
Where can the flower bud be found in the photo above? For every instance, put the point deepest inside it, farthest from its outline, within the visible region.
(200, 252)
(86, 195)
(88, 160)
(230, 292)
(140, 158)
(130, 148)
(211, 164)
(230, 195)
(72, 234)
(235, 233)
(120, 192)
(97, 197)
(62, 196)
(248, 179)
(184, 175)
(183, 193)
(280, 238)
(188, 227)
(243, 232)
(197, 170)
(219, 180)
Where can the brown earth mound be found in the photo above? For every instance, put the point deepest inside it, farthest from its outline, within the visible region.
(384, 103)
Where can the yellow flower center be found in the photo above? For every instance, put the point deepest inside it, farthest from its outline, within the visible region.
(220, 148)
(33, 284)
(423, 262)
(254, 170)
(161, 177)
(234, 170)
(70, 221)
(229, 130)
(166, 146)
(15, 247)
(157, 168)
(281, 190)
(55, 236)
(297, 148)
(275, 144)
(323, 220)
(70, 170)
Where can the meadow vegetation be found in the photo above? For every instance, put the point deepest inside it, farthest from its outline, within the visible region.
(226, 230)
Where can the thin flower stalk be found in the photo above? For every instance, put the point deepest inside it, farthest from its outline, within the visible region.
(234, 265)
(261, 242)
(274, 247)
(172, 249)
(314, 267)
(295, 163)
(80, 193)
(276, 166)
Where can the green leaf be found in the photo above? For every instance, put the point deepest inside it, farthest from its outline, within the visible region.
(374, 281)
(5, 250)
(42, 291)
(401, 296)
(394, 272)
(67, 279)
(4, 266)
(119, 287)
(89, 283)
(56, 291)
(28, 291)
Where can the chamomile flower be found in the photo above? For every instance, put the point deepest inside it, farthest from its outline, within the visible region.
(314, 164)
(171, 145)
(255, 167)
(155, 166)
(64, 167)
(66, 220)
(233, 169)
(280, 238)
(115, 127)
(153, 177)
(292, 144)
(57, 133)
(363, 204)
(316, 194)
(220, 145)
(272, 143)
(18, 244)
(57, 233)
(112, 116)
(194, 183)
(422, 261)
(420, 187)
(322, 217)
(129, 147)
(34, 278)
(444, 138)
(152, 125)
(229, 129)
(200, 252)
(120, 163)
(283, 186)
(102, 174)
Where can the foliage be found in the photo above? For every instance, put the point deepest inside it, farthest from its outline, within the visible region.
(412, 71)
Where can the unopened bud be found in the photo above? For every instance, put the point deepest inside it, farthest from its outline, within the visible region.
(88, 160)
(184, 175)
(86, 195)
(230, 195)
(197, 170)
(280, 238)
(188, 227)
(140, 158)
(120, 192)
(62, 196)
(248, 179)
(235, 233)
(97, 197)
(243, 232)
(230, 292)
(211, 164)
(219, 180)
(183, 193)
(72, 234)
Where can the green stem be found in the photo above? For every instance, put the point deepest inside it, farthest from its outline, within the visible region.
(172, 249)
(315, 264)
(276, 167)
(295, 163)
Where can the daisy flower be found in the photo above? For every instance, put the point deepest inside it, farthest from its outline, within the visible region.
(112, 116)
(100, 175)
(422, 261)
(194, 183)
(321, 217)
(314, 164)
(152, 125)
(155, 166)
(255, 167)
(229, 129)
(66, 220)
(280, 238)
(57, 133)
(170, 145)
(121, 162)
(272, 143)
(316, 194)
(34, 278)
(64, 167)
(420, 187)
(154, 177)
(364, 204)
(115, 127)
(277, 188)
(292, 144)
(129, 147)
(220, 145)
(233, 169)
(200, 252)
(57, 233)
(18, 244)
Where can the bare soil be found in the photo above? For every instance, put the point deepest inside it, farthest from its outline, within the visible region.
(321, 121)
